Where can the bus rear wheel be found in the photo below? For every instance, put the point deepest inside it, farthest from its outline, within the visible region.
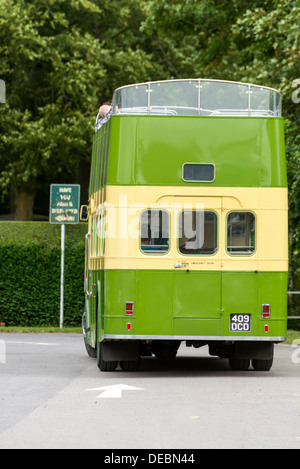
(130, 365)
(262, 365)
(239, 364)
(91, 351)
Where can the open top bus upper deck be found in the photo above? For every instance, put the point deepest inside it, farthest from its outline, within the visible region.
(197, 97)
(232, 130)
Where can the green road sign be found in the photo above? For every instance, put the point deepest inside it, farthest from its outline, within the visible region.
(64, 203)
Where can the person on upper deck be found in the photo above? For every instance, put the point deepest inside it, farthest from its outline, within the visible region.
(103, 115)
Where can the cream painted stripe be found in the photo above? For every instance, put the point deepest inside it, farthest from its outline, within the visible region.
(126, 202)
(233, 197)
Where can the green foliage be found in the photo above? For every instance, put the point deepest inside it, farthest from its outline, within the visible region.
(41, 232)
(60, 59)
(49, 66)
(30, 274)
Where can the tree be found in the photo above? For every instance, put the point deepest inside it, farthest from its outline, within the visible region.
(49, 68)
(60, 59)
(273, 43)
(194, 38)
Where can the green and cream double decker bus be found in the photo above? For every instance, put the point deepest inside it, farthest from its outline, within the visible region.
(187, 239)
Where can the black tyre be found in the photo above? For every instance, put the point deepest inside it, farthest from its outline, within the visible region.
(262, 365)
(239, 364)
(91, 351)
(130, 365)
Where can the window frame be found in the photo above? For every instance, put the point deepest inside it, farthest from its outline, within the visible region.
(155, 253)
(217, 234)
(242, 254)
(199, 180)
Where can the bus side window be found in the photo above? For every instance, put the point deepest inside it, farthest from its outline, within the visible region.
(155, 231)
(241, 233)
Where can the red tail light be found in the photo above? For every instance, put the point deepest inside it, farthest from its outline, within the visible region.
(128, 326)
(265, 311)
(129, 308)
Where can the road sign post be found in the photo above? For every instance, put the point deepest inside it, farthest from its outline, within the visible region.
(62, 269)
(64, 209)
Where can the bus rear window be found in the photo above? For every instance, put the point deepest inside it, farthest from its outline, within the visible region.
(241, 233)
(155, 231)
(198, 232)
(198, 172)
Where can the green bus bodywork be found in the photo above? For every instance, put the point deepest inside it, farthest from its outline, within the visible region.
(195, 303)
(172, 306)
(151, 150)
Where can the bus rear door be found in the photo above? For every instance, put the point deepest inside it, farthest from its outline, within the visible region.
(197, 266)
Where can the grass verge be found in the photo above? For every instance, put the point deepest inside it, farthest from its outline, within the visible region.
(291, 336)
(41, 330)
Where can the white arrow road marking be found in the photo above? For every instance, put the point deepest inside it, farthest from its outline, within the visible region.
(114, 390)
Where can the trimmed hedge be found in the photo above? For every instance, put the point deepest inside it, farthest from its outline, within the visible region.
(30, 274)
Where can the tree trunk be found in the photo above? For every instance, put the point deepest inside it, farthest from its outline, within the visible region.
(23, 205)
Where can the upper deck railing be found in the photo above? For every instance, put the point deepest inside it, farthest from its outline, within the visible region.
(197, 97)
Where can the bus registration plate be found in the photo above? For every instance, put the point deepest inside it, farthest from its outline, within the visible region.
(240, 322)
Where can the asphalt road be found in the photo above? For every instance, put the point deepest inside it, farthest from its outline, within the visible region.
(52, 395)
